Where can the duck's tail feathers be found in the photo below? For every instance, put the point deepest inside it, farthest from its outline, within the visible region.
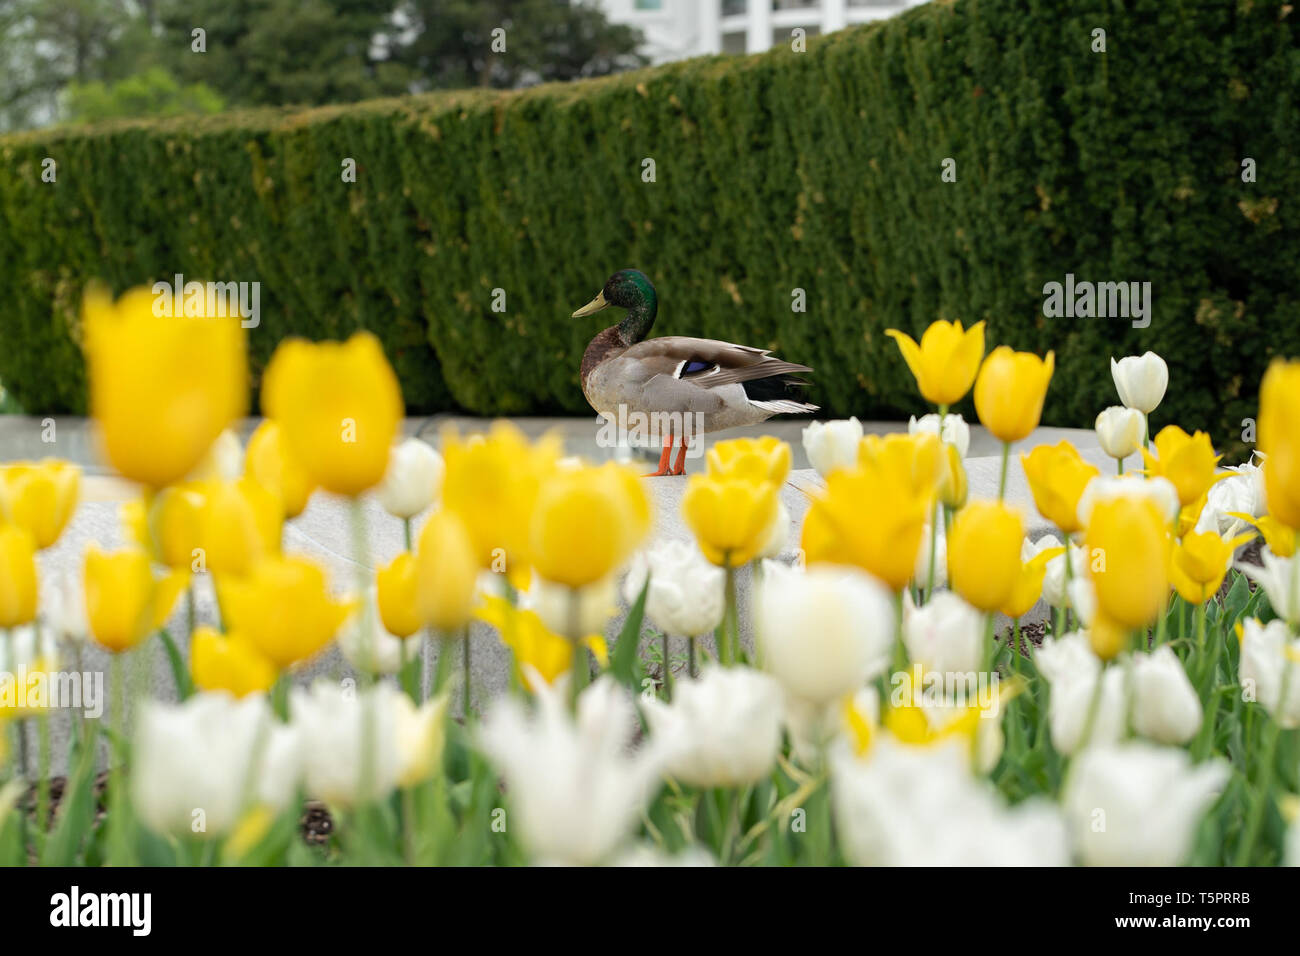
(785, 406)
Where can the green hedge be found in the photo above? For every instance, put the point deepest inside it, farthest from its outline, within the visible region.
(817, 170)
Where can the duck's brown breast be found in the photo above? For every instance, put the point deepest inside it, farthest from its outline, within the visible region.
(606, 345)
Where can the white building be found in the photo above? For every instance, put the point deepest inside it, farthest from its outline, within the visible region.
(677, 29)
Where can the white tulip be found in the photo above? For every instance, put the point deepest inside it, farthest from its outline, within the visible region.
(1160, 491)
(194, 764)
(420, 733)
(831, 445)
(63, 604)
(1120, 431)
(725, 727)
(955, 431)
(1141, 380)
(1280, 580)
(1270, 657)
(346, 732)
(1056, 580)
(1242, 493)
(1083, 598)
(367, 645)
(557, 604)
(945, 635)
(224, 459)
(921, 572)
(1071, 670)
(1137, 804)
(647, 854)
(23, 648)
(921, 806)
(1166, 708)
(687, 594)
(825, 632)
(575, 789)
(413, 480)
(1291, 848)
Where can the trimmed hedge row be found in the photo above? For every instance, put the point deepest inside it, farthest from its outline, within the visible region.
(818, 171)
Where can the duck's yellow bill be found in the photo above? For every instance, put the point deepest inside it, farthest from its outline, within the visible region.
(595, 305)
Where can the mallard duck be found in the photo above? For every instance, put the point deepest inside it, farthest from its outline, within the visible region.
(700, 384)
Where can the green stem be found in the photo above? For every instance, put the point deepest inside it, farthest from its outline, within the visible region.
(668, 687)
(468, 682)
(691, 657)
(1002, 478)
(1263, 797)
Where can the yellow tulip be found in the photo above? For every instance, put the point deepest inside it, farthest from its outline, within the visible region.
(1128, 541)
(339, 407)
(40, 498)
(1188, 461)
(772, 458)
(491, 483)
(1279, 538)
(162, 388)
(230, 663)
(533, 644)
(284, 608)
(984, 553)
(869, 517)
(1057, 476)
(239, 525)
(125, 603)
(1108, 638)
(268, 461)
(730, 517)
(174, 529)
(1009, 392)
(586, 522)
(1279, 439)
(446, 572)
(916, 459)
(397, 586)
(945, 362)
(1199, 562)
(953, 485)
(1029, 583)
(18, 577)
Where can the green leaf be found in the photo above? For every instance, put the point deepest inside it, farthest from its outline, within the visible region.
(76, 814)
(180, 674)
(625, 664)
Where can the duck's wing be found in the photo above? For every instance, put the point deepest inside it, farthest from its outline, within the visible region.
(677, 371)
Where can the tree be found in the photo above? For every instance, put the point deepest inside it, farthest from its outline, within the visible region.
(449, 43)
(153, 92)
(275, 52)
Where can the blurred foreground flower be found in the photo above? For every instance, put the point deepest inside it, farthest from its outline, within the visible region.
(586, 522)
(921, 806)
(1277, 577)
(1279, 439)
(1128, 539)
(284, 607)
(946, 360)
(125, 603)
(1136, 804)
(731, 516)
(270, 463)
(339, 407)
(18, 577)
(686, 596)
(195, 764)
(575, 789)
(446, 572)
(368, 645)
(825, 632)
(984, 553)
(761, 458)
(945, 635)
(229, 663)
(358, 746)
(40, 498)
(538, 651)
(724, 727)
(162, 388)
(1270, 667)
(1057, 475)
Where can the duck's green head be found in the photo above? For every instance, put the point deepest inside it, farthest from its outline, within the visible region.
(628, 289)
